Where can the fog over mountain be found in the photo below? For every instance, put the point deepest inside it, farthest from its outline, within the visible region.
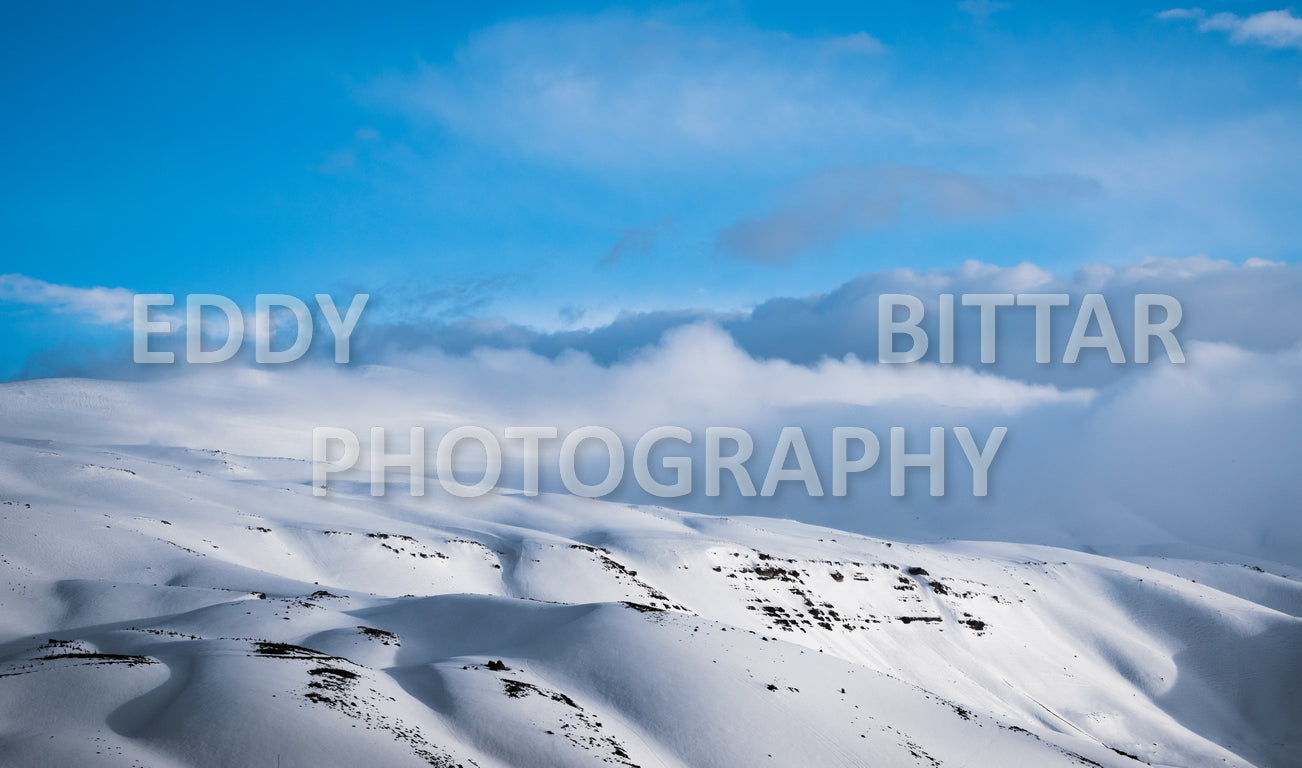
(1193, 458)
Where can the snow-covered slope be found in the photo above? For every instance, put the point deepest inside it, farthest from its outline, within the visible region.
(168, 606)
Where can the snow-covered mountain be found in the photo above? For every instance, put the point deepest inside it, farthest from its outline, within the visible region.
(170, 603)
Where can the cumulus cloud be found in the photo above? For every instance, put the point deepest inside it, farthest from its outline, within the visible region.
(1252, 306)
(709, 374)
(103, 306)
(1275, 29)
(827, 205)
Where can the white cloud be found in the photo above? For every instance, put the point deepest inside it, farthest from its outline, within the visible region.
(1276, 29)
(1193, 459)
(1252, 306)
(1182, 459)
(982, 10)
(858, 42)
(616, 90)
(737, 108)
(104, 306)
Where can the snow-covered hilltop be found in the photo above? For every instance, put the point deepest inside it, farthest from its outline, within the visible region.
(177, 606)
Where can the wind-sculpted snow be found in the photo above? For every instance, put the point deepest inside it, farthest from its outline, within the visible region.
(173, 606)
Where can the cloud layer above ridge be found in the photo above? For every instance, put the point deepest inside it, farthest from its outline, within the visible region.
(1182, 459)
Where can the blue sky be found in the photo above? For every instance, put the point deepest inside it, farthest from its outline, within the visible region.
(554, 164)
